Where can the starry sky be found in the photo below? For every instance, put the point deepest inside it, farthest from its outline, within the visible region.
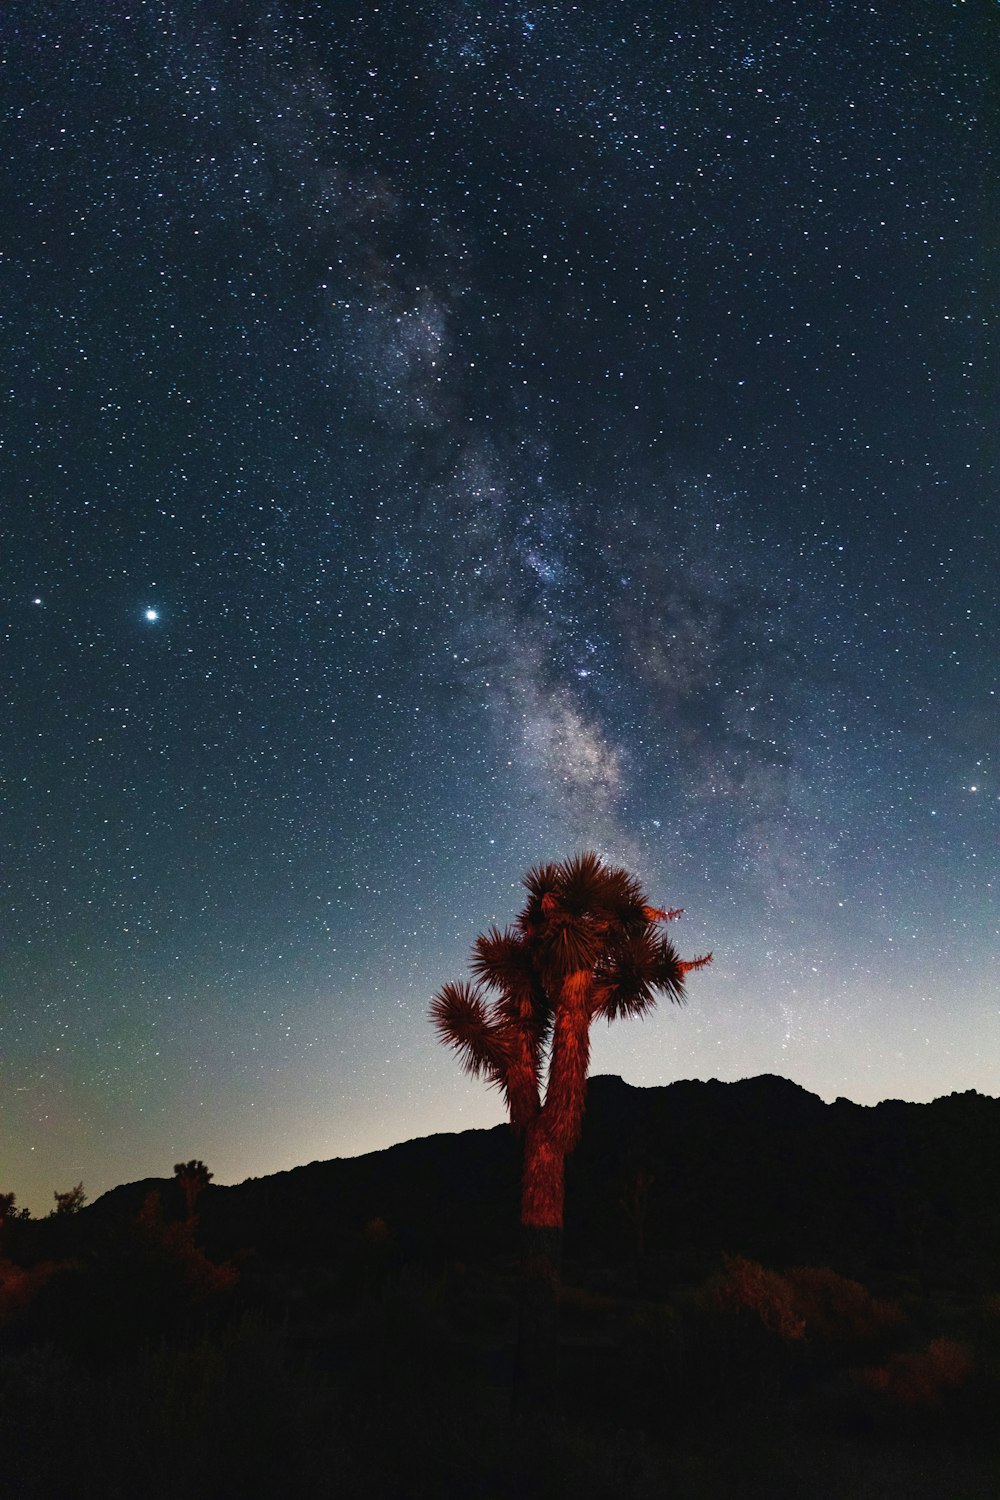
(442, 437)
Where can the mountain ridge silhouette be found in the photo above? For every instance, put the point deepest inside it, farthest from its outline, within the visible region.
(759, 1167)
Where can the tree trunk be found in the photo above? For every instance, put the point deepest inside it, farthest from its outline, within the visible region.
(542, 1185)
(570, 1061)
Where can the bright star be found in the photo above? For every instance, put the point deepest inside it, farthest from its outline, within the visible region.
(151, 615)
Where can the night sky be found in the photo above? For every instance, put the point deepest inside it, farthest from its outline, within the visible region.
(440, 438)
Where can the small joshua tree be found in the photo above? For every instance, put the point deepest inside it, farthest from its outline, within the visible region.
(586, 944)
(193, 1177)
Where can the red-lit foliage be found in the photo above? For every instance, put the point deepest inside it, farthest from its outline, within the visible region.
(172, 1246)
(586, 943)
(838, 1309)
(811, 1302)
(19, 1286)
(920, 1378)
(746, 1285)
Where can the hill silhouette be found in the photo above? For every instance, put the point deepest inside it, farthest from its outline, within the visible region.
(760, 1168)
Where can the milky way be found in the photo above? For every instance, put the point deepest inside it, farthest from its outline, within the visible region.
(440, 439)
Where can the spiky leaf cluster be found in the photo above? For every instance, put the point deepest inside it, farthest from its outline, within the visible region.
(586, 929)
(499, 1024)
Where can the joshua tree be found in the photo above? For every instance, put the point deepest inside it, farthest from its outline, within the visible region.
(193, 1177)
(586, 944)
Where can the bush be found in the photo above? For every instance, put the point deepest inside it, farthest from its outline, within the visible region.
(920, 1378)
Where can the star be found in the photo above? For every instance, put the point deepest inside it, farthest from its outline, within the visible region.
(152, 615)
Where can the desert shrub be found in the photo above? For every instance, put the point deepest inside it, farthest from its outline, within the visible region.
(170, 1248)
(744, 1284)
(147, 1280)
(920, 1378)
(19, 1286)
(835, 1308)
(810, 1303)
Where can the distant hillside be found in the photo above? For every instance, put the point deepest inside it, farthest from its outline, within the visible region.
(677, 1174)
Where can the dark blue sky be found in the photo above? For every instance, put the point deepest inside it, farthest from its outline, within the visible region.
(531, 428)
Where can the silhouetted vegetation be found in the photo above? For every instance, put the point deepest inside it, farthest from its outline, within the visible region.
(71, 1201)
(9, 1211)
(192, 1178)
(817, 1316)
